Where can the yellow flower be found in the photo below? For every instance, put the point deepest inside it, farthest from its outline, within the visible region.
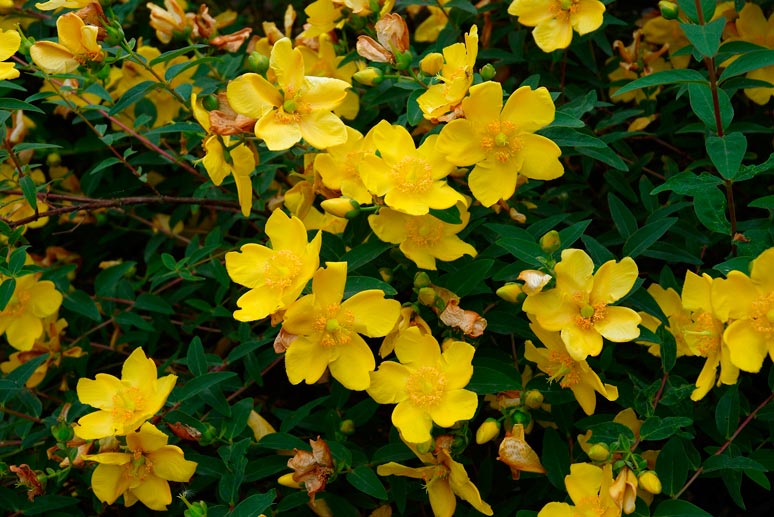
(408, 318)
(143, 472)
(427, 385)
(169, 22)
(125, 403)
(749, 303)
(77, 45)
(32, 302)
(299, 108)
(445, 479)
(411, 179)
(455, 78)
(431, 27)
(338, 166)
(636, 60)
(579, 305)
(50, 5)
(624, 490)
(9, 44)
(570, 373)
(589, 489)
(752, 26)
(328, 330)
(325, 63)
(554, 20)
(500, 141)
(223, 158)
(277, 275)
(423, 238)
(322, 17)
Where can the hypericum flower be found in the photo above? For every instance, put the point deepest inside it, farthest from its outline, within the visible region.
(589, 489)
(423, 238)
(170, 20)
(455, 78)
(9, 44)
(579, 304)
(753, 26)
(411, 179)
(554, 20)
(559, 365)
(445, 479)
(277, 275)
(427, 385)
(50, 5)
(223, 158)
(338, 166)
(323, 62)
(31, 303)
(624, 490)
(515, 452)
(328, 330)
(431, 27)
(637, 60)
(77, 45)
(125, 403)
(143, 472)
(408, 318)
(748, 302)
(500, 141)
(300, 107)
(322, 16)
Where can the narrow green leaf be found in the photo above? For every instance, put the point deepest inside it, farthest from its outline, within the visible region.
(298, 415)
(526, 250)
(366, 480)
(702, 104)
(689, 184)
(568, 236)
(34, 146)
(254, 505)
(17, 260)
(153, 303)
(15, 104)
(665, 77)
(197, 362)
(463, 281)
(178, 68)
(763, 202)
(283, 441)
(726, 462)
(200, 384)
(414, 113)
(656, 428)
(132, 95)
(672, 466)
(29, 190)
(555, 457)
(643, 238)
(705, 38)
(727, 412)
(623, 219)
(6, 291)
(748, 62)
(710, 208)
(364, 254)
(609, 432)
(355, 284)
(104, 164)
(449, 215)
(463, 5)
(81, 303)
(679, 508)
(172, 54)
(727, 152)
(488, 380)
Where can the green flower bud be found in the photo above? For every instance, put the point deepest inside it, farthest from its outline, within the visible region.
(197, 509)
(257, 62)
(208, 435)
(487, 431)
(487, 72)
(550, 242)
(115, 33)
(669, 10)
(599, 452)
(347, 427)
(533, 399)
(427, 296)
(403, 60)
(62, 432)
(421, 280)
(369, 76)
(521, 417)
(650, 482)
(210, 102)
(341, 207)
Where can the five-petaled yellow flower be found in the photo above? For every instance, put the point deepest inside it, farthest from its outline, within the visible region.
(124, 404)
(9, 44)
(753, 26)
(579, 304)
(277, 275)
(554, 20)
(412, 180)
(299, 107)
(328, 330)
(500, 141)
(32, 302)
(589, 489)
(143, 472)
(77, 45)
(427, 385)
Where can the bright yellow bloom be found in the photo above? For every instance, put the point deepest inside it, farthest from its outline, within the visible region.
(9, 44)
(500, 141)
(338, 166)
(322, 16)
(299, 107)
(427, 385)
(554, 20)
(239, 160)
(559, 365)
(431, 27)
(277, 275)
(77, 45)
(125, 403)
(589, 489)
(324, 62)
(411, 179)
(143, 472)
(636, 60)
(328, 330)
(455, 78)
(170, 20)
(31, 303)
(579, 305)
(300, 199)
(423, 238)
(753, 26)
(50, 5)
(748, 302)
(445, 479)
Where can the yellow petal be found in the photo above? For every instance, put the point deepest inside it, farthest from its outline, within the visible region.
(457, 364)
(489, 182)
(619, 325)
(413, 423)
(9, 43)
(459, 143)
(553, 34)
(288, 65)
(139, 370)
(153, 492)
(588, 16)
(529, 109)
(539, 158)
(762, 270)
(584, 481)
(353, 365)
(581, 343)
(413, 347)
(68, 28)
(747, 346)
(531, 12)
(574, 271)
(252, 96)
(613, 280)
(328, 284)
(306, 361)
(258, 303)
(96, 425)
(109, 482)
(462, 486)
(53, 58)
(324, 93)
(169, 464)
(278, 133)
(374, 316)
(455, 405)
(388, 383)
(557, 510)
(442, 499)
(23, 331)
(697, 292)
(323, 129)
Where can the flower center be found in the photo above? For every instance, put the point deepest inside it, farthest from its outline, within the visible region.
(703, 336)
(426, 386)
(762, 315)
(588, 507)
(563, 368)
(335, 325)
(412, 175)
(500, 139)
(424, 231)
(590, 314)
(126, 403)
(281, 270)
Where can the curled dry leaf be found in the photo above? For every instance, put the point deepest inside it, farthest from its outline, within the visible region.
(312, 468)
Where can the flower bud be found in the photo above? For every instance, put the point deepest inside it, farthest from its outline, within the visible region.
(403, 60)
(427, 296)
(669, 10)
(510, 292)
(257, 62)
(432, 63)
(208, 435)
(347, 427)
(386, 274)
(197, 509)
(487, 431)
(550, 242)
(210, 102)
(115, 33)
(341, 207)
(650, 482)
(421, 280)
(62, 432)
(521, 417)
(487, 72)
(599, 452)
(369, 76)
(533, 399)
(288, 481)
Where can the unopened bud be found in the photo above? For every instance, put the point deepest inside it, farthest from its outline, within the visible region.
(197, 509)
(487, 431)
(403, 60)
(669, 10)
(550, 242)
(210, 102)
(599, 452)
(510, 292)
(62, 432)
(114, 33)
(370, 76)
(487, 72)
(208, 435)
(533, 399)
(432, 63)
(650, 482)
(257, 62)
(341, 207)
(347, 427)
(521, 417)
(427, 296)
(288, 481)
(421, 280)
(386, 274)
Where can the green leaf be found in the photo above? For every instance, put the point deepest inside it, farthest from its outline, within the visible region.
(679, 508)
(727, 152)
(355, 284)
(463, 281)
(748, 62)
(364, 254)
(153, 303)
(488, 380)
(555, 457)
(623, 219)
(449, 215)
(525, 249)
(48, 503)
(22, 373)
(710, 208)
(6, 292)
(727, 412)
(104, 164)
(200, 384)
(689, 184)
(609, 432)
(688, 7)
(197, 362)
(702, 104)
(172, 54)
(643, 238)
(604, 155)
(29, 190)
(283, 441)
(298, 415)
(726, 462)
(705, 38)
(26, 146)
(15, 104)
(366, 480)
(656, 428)
(572, 233)
(672, 466)
(132, 95)
(747, 172)
(81, 303)
(254, 505)
(17, 260)
(414, 113)
(463, 5)
(763, 202)
(665, 77)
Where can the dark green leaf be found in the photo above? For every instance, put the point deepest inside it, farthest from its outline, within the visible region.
(83, 304)
(705, 38)
(29, 190)
(488, 380)
(727, 152)
(197, 362)
(726, 462)
(727, 412)
(656, 428)
(689, 184)
(710, 208)
(688, 7)
(672, 467)
(463, 5)
(364, 254)
(555, 457)
(414, 113)
(679, 508)
(366, 480)
(16, 104)
(26, 146)
(6, 291)
(643, 238)
(763, 202)
(104, 164)
(283, 441)
(166, 56)
(572, 233)
(23, 372)
(298, 415)
(449, 215)
(703, 105)
(355, 284)
(48, 503)
(179, 68)
(132, 95)
(254, 505)
(748, 62)
(609, 432)
(200, 384)
(623, 219)
(153, 303)
(17, 260)
(660, 78)
(466, 279)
